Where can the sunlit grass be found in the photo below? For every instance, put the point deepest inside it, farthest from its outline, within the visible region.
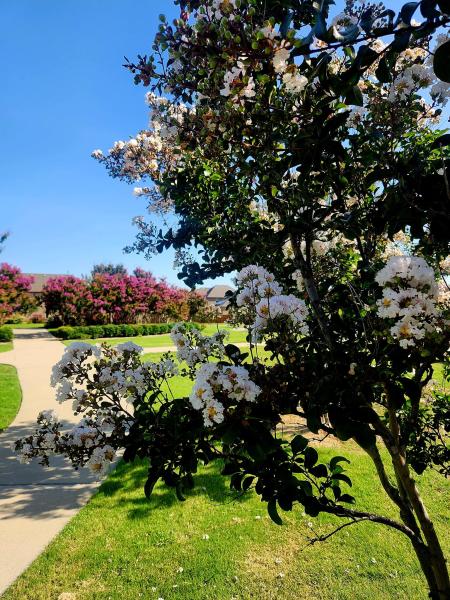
(10, 395)
(216, 546)
(164, 340)
(6, 346)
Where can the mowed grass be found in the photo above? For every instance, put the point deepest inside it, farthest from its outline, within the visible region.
(6, 346)
(164, 340)
(215, 546)
(10, 395)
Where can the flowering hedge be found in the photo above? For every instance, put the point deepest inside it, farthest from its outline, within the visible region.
(118, 298)
(110, 331)
(15, 294)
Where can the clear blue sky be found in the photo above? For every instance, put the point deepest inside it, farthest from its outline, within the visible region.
(65, 93)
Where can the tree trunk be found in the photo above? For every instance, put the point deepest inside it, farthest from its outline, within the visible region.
(398, 496)
(412, 509)
(433, 556)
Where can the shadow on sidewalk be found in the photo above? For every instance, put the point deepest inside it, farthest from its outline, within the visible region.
(34, 334)
(24, 488)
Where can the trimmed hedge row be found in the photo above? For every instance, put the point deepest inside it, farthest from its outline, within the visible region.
(6, 334)
(83, 332)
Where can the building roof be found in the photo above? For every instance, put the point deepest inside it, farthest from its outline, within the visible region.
(216, 293)
(40, 279)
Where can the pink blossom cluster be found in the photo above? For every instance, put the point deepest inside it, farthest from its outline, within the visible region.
(14, 291)
(112, 299)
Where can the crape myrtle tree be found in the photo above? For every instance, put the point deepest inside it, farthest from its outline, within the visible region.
(113, 298)
(301, 148)
(15, 294)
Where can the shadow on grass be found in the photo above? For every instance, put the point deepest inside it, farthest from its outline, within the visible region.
(131, 477)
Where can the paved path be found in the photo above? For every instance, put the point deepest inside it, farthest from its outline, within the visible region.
(35, 503)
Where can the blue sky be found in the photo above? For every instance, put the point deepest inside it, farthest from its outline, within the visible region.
(65, 93)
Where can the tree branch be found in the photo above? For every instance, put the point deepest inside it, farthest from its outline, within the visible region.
(340, 511)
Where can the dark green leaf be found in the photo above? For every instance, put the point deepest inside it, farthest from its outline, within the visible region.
(444, 5)
(319, 471)
(311, 457)
(298, 444)
(441, 62)
(342, 477)
(273, 513)
(443, 140)
(347, 498)
(407, 12)
(428, 9)
(401, 40)
(354, 97)
(336, 460)
(383, 72)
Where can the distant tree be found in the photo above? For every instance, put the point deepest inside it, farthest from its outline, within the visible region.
(15, 294)
(199, 309)
(108, 269)
(3, 238)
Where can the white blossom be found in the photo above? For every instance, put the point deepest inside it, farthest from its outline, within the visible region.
(280, 60)
(294, 82)
(410, 296)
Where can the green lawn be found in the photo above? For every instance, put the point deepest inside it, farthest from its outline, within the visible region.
(159, 341)
(10, 395)
(6, 346)
(217, 547)
(124, 547)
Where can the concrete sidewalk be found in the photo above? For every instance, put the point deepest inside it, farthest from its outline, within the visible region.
(35, 502)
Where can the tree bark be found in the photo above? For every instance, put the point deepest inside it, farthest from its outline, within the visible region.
(407, 516)
(414, 513)
(436, 556)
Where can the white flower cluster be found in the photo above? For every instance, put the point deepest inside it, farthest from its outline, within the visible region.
(291, 78)
(194, 348)
(237, 85)
(104, 384)
(150, 151)
(263, 295)
(112, 378)
(418, 75)
(410, 80)
(229, 382)
(101, 459)
(410, 294)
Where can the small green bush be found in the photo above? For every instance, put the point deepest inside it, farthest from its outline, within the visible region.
(14, 321)
(110, 331)
(6, 334)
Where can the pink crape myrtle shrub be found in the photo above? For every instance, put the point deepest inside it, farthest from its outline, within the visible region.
(66, 300)
(15, 294)
(118, 298)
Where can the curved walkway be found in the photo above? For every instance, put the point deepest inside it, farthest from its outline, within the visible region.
(35, 502)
